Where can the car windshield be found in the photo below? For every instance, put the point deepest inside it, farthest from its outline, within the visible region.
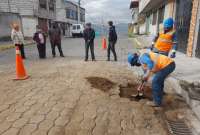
(78, 27)
(74, 27)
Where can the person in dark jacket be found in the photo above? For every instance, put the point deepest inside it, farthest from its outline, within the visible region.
(112, 38)
(40, 38)
(55, 40)
(89, 36)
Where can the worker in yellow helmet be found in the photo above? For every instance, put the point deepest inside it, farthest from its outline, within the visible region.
(165, 42)
(153, 63)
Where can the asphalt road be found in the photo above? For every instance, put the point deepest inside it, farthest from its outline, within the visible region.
(73, 48)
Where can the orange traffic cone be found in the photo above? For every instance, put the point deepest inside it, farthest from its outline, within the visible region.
(104, 46)
(20, 70)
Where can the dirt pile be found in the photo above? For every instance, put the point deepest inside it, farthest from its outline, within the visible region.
(100, 83)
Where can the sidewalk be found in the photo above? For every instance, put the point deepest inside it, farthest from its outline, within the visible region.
(186, 78)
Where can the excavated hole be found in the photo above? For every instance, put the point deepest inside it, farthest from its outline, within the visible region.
(131, 89)
(100, 83)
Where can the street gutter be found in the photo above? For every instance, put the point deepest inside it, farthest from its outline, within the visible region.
(172, 83)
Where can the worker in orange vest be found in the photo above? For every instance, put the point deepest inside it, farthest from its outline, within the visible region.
(165, 42)
(153, 63)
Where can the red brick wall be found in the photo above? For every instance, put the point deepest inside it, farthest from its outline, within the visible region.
(192, 28)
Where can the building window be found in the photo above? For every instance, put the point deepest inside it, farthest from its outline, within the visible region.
(154, 18)
(67, 13)
(71, 14)
(43, 4)
(82, 17)
(52, 5)
(161, 14)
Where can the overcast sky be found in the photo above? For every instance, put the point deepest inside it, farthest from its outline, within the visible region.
(98, 10)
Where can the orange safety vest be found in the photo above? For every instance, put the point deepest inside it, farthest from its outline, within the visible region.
(164, 42)
(160, 61)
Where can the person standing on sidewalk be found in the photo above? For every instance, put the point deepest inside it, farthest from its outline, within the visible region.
(167, 41)
(18, 38)
(112, 41)
(55, 39)
(40, 38)
(153, 63)
(89, 36)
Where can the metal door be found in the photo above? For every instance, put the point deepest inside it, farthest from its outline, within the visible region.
(197, 52)
(183, 18)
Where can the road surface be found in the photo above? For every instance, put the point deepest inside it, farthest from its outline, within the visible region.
(67, 96)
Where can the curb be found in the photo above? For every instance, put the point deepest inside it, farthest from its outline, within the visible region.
(173, 85)
(6, 47)
(137, 43)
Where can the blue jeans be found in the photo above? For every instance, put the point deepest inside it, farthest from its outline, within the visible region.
(158, 82)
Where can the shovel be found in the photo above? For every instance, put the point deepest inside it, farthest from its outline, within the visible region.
(140, 92)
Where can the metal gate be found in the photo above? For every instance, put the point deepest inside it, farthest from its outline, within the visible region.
(183, 18)
(197, 52)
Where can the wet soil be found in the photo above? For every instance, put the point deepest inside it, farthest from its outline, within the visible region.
(131, 89)
(101, 83)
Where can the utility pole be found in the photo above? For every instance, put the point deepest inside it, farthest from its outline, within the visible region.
(79, 6)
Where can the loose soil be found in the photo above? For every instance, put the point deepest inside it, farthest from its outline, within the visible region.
(100, 83)
(131, 89)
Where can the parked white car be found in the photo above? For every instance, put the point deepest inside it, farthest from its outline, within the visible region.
(77, 30)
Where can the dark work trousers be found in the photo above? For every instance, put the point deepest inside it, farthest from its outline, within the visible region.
(53, 47)
(158, 82)
(42, 50)
(91, 47)
(111, 47)
(21, 48)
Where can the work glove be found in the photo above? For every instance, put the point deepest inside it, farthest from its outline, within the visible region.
(173, 55)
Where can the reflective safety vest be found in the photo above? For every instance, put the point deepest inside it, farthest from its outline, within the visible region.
(160, 61)
(164, 42)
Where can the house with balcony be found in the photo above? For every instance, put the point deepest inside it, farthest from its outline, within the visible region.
(30, 13)
(154, 12)
(186, 14)
(68, 13)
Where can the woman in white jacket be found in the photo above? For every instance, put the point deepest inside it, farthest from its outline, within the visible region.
(18, 38)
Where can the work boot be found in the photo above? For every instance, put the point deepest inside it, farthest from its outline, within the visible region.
(62, 56)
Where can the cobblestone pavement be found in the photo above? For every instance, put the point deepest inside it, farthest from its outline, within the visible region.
(58, 100)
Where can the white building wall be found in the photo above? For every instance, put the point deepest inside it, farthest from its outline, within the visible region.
(167, 11)
(143, 4)
(29, 26)
(152, 28)
(142, 29)
(23, 7)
